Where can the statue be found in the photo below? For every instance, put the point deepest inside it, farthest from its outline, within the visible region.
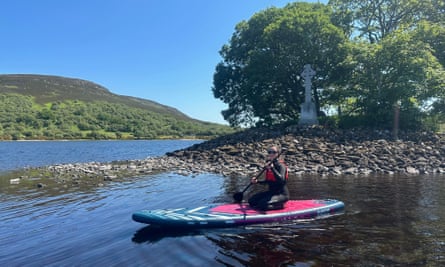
(308, 114)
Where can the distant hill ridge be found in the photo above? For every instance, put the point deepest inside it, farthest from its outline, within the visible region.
(47, 88)
(53, 107)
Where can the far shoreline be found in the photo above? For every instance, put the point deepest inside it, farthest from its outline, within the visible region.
(106, 140)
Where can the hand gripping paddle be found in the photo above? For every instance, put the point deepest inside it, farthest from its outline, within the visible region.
(238, 196)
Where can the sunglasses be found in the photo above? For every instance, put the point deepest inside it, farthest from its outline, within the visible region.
(272, 152)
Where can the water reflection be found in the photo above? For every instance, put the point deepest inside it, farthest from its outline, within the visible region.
(391, 220)
(388, 220)
(153, 234)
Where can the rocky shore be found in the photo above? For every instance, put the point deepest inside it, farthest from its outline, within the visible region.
(309, 150)
(316, 150)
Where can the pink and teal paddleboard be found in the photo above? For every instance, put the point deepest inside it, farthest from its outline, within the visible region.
(230, 215)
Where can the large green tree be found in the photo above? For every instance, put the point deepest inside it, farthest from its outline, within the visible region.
(397, 56)
(259, 77)
(401, 69)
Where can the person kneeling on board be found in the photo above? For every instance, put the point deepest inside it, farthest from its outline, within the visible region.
(276, 176)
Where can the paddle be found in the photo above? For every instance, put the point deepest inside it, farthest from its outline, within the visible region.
(238, 196)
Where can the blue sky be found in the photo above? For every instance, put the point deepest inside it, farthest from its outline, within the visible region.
(162, 50)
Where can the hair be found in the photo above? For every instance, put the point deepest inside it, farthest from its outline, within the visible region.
(274, 147)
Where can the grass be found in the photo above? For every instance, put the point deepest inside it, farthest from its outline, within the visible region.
(50, 107)
(47, 89)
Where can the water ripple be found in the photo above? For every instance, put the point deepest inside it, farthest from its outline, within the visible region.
(388, 221)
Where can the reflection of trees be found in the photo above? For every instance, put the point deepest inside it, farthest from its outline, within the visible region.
(377, 226)
(282, 245)
(388, 220)
(430, 222)
(379, 214)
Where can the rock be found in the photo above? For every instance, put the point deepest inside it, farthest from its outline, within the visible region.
(110, 177)
(329, 163)
(41, 185)
(346, 163)
(412, 170)
(14, 181)
(354, 158)
(351, 171)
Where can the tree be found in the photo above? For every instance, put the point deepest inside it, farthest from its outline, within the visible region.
(374, 19)
(434, 11)
(434, 35)
(259, 75)
(401, 69)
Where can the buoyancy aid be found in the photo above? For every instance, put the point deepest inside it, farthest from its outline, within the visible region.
(270, 176)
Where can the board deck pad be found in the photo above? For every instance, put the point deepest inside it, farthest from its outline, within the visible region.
(230, 215)
(246, 209)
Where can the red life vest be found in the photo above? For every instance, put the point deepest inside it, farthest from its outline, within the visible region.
(271, 177)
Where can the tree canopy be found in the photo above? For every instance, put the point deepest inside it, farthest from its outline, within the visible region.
(368, 55)
(400, 70)
(259, 77)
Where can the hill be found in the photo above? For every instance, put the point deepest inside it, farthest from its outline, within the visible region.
(53, 107)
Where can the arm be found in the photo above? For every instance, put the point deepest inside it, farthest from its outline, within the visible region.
(279, 170)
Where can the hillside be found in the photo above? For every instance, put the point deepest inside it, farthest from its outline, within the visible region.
(52, 107)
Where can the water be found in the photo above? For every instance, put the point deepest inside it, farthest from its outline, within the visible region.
(388, 220)
(14, 155)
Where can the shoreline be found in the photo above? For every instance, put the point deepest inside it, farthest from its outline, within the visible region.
(101, 140)
(307, 151)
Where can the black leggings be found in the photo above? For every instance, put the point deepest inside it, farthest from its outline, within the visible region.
(268, 201)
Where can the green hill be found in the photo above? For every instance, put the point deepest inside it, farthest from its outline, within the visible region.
(52, 107)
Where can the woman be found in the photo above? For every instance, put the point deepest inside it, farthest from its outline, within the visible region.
(276, 178)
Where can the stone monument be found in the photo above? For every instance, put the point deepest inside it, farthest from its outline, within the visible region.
(308, 114)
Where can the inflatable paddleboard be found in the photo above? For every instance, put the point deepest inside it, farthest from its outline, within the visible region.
(230, 215)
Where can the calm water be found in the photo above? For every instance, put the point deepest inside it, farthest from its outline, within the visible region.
(391, 221)
(14, 155)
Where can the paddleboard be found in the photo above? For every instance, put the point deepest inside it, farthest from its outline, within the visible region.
(230, 215)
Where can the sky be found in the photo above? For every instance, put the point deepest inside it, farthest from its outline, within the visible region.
(161, 50)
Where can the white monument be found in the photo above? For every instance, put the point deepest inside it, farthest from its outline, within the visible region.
(308, 114)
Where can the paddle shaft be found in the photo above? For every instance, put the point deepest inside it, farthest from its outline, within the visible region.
(256, 177)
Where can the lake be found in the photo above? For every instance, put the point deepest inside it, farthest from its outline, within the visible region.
(19, 154)
(388, 220)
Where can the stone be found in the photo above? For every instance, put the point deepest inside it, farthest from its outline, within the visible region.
(110, 177)
(412, 170)
(350, 171)
(14, 181)
(329, 163)
(308, 115)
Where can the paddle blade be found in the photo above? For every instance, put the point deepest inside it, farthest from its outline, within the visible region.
(238, 197)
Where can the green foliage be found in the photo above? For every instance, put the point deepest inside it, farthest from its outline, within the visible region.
(259, 76)
(373, 20)
(399, 70)
(434, 35)
(51, 91)
(370, 56)
(22, 118)
(401, 62)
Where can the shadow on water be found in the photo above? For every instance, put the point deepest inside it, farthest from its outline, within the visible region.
(153, 234)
